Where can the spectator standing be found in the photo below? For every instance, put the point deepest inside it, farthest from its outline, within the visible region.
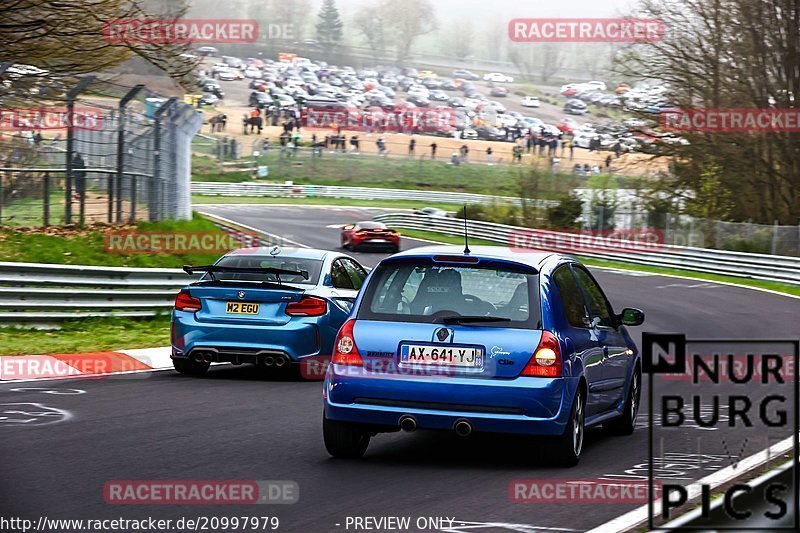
(411, 145)
(433, 151)
(489, 154)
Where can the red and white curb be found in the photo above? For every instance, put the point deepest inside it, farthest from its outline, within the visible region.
(93, 364)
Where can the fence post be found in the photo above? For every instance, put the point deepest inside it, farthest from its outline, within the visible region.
(133, 197)
(71, 96)
(775, 238)
(46, 213)
(123, 103)
(154, 210)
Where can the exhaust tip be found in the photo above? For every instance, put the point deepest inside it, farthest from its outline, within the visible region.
(197, 357)
(280, 361)
(407, 423)
(269, 360)
(208, 357)
(462, 428)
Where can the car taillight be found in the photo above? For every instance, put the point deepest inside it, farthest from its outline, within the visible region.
(546, 360)
(345, 351)
(184, 302)
(307, 306)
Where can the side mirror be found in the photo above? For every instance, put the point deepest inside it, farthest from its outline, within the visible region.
(630, 316)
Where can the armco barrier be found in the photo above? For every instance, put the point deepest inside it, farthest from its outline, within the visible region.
(756, 266)
(41, 295)
(277, 190)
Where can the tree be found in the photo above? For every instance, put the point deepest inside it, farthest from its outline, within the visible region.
(459, 39)
(370, 23)
(329, 27)
(410, 20)
(567, 214)
(401, 23)
(729, 54)
(68, 37)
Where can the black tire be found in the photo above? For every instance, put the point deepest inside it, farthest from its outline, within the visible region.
(189, 367)
(568, 447)
(626, 424)
(343, 440)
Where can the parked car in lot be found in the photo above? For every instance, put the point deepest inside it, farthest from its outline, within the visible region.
(270, 307)
(465, 74)
(499, 91)
(530, 101)
(575, 107)
(370, 235)
(494, 341)
(490, 133)
(497, 77)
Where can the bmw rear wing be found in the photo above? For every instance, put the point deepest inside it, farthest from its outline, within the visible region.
(211, 270)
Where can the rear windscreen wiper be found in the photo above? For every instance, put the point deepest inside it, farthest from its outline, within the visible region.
(473, 319)
(214, 269)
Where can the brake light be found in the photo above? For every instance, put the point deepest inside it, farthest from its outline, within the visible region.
(185, 302)
(345, 351)
(546, 360)
(307, 306)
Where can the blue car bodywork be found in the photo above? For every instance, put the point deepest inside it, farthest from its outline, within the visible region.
(591, 371)
(266, 306)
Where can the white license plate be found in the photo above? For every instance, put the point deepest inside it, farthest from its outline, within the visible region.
(447, 355)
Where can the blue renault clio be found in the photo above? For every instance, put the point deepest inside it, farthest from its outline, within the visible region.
(491, 340)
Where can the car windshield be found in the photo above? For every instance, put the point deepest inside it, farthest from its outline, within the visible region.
(312, 266)
(423, 291)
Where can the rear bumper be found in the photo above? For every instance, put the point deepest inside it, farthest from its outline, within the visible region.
(237, 343)
(529, 406)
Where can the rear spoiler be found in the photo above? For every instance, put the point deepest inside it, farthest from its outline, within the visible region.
(213, 269)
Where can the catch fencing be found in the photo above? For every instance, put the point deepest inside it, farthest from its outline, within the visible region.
(103, 147)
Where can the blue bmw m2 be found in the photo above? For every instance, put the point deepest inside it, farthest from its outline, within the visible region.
(491, 340)
(271, 307)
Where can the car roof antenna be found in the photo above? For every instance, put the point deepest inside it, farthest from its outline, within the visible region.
(466, 233)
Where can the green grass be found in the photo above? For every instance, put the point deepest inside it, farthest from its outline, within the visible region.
(200, 199)
(87, 335)
(30, 211)
(87, 247)
(367, 170)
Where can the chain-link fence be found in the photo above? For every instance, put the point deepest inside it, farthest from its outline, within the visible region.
(97, 151)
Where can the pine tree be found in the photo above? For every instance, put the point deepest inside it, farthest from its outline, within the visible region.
(329, 27)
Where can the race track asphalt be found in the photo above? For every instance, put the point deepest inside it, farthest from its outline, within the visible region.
(237, 424)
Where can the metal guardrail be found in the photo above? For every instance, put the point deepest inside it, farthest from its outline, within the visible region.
(756, 266)
(279, 190)
(42, 295)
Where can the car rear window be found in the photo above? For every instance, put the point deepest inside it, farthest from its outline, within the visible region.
(312, 266)
(428, 292)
